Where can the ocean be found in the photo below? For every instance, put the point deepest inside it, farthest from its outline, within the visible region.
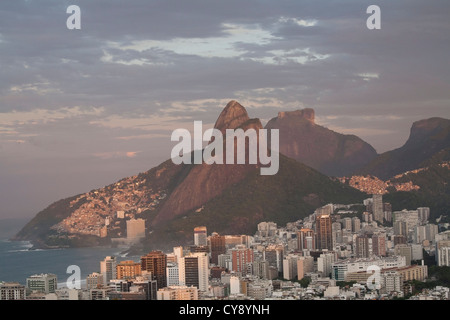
(17, 262)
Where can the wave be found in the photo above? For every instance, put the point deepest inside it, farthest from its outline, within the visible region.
(19, 250)
(33, 250)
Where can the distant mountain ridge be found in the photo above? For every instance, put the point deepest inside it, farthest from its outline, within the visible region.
(327, 151)
(232, 199)
(428, 138)
(174, 198)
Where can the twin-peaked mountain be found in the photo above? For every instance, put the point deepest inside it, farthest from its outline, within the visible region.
(227, 198)
(204, 182)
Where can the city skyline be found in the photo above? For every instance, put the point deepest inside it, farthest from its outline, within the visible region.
(253, 267)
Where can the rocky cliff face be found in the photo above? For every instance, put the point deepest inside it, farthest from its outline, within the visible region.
(329, 152)
(232, 116)
(173, 199)
(232, 199)
(204, 181)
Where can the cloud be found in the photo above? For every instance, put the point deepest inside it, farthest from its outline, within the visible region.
(219, 47)
(43, 115)
(132, 154)
(116, 154)
(138, 69)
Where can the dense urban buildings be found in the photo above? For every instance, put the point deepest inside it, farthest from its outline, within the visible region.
(306, 259)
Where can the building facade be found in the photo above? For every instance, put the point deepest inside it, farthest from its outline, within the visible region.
(128, 270)
(178, 293)
(323, 232)
(108, 268)
(12, 291)
(45, 283)
(156, 263)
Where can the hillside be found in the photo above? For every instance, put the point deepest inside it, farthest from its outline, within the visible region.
(424, 187)
(434, 190)
(428, 138)
(234, 199)
(293, 193)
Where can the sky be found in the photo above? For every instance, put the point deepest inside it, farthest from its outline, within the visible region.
(81, 109)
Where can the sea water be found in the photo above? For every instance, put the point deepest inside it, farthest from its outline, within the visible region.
(17, 261)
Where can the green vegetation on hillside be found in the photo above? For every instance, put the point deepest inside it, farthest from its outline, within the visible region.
(434, 191)
(293, 193)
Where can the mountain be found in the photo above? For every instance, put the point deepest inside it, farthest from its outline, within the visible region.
(433, 189)
(204, 182)
(424, 187)
(428, 138)
(291, 194)
(173, 199)
(327, 151)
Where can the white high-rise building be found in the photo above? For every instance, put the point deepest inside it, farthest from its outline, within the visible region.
(443, 256)
(324, 263)
(290, 267)
(356, 224)
(411, 217)
(108, 269)
(442, 253)
(178, 252)
(431, 231)
(391, 281)
(203, 271)
(424, 214)
(94, 280)
(235, 285)
(304, 265)
(172, 274)
(261, 268)
(45, 283)
(420, 234)
(194, 268)
(336, 230)
(225, 261)
(417, 251)
(347, 224)
(405, 251)
(377, 207)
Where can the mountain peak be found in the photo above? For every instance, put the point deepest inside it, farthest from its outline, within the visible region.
(329, 152)
(231, 117)
(428, 138)
(307, 114)
(429, 125)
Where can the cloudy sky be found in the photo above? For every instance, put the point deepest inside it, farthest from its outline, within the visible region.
(80, 109)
